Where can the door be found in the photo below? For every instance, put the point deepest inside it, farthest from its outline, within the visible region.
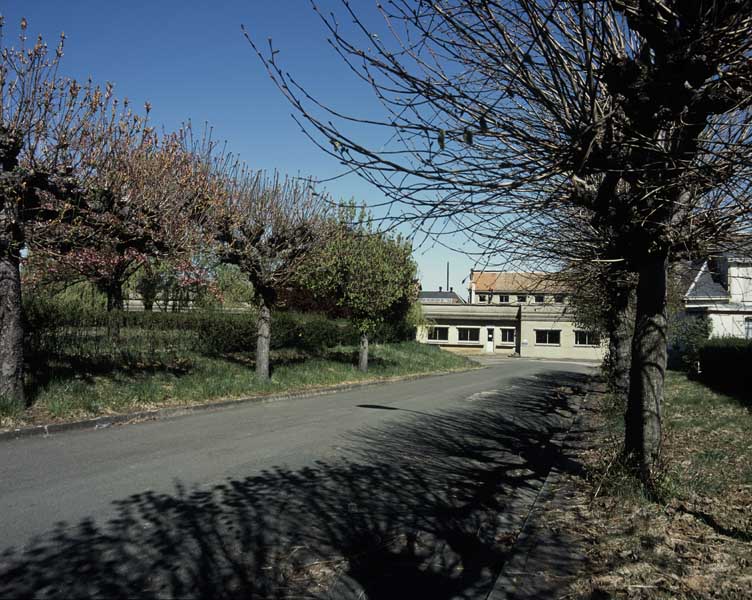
(490, 339)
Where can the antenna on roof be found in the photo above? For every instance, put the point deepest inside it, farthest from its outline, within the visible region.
(447, 287)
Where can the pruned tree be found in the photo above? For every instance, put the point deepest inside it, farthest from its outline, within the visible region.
(40, 113)
(145, 197)
(267, 226)
(368, 275)
(637, 113)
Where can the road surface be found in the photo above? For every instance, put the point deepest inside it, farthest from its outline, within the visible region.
(409, 489)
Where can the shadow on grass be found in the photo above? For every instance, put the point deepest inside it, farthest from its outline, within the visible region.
(425, 507)
(44, 370)
(739, 392)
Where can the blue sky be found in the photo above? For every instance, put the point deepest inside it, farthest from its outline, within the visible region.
(190, 60)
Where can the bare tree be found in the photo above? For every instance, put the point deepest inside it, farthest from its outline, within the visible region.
(266, 225)
(637, 112)
(40, 112)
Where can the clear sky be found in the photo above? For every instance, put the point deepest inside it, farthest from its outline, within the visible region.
(190, 60)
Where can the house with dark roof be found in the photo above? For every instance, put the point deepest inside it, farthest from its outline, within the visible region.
(522, 314)
(722, 290)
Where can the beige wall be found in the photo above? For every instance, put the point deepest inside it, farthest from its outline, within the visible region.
(565, 349)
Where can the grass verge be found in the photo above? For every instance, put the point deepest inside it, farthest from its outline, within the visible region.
(696, 542)
(66, 391)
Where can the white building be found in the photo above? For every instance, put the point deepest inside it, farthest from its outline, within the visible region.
(522, 314)
(722, 290)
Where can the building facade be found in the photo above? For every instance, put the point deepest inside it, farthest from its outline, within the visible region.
(722, 290)
(514, 314)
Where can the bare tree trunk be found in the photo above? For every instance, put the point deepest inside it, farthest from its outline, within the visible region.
(363, 353)
(621, 328)
(11, 333)
(263, 340)
(115, 306)
(115, 299)
(642, 440)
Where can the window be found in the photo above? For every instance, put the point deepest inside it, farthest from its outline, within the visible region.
(559, 298)
(748, 328)
(586, 338)
(481, 297)
(504, 299)
(468, 334)
(438, 334)
(521, 298)
(540, 298)
(551, 337)
(507, 335)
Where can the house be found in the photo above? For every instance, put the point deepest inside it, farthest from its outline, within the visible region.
(440, 297)
(521, 314)
(722, 290)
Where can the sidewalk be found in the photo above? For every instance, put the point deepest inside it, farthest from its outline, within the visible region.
(545, 558)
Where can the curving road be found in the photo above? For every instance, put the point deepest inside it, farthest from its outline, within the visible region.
(404, 490)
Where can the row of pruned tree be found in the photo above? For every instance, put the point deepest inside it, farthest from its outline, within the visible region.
(90, 189)
(609, 134)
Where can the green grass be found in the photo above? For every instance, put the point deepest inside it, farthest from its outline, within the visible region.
(708, 447)
(82, 390)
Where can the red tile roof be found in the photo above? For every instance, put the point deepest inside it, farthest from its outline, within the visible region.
(529, 283)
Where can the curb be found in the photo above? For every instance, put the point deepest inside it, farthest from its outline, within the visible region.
(517, 579)
(105, 422)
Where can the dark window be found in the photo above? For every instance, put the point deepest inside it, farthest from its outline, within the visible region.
(521, 298)
(468, 334)
(504, 299)
(748, 328)
(547, 336)
(481, 297)
(586, 338)
(438, 334)
(540, 299)
(559, 298)
(507, 335)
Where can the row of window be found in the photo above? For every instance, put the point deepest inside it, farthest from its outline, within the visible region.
(537, 298)
(551, 337)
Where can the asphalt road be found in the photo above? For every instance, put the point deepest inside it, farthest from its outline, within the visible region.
(410, 489)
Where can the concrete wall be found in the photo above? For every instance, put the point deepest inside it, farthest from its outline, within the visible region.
(728, 324)
(565, 349)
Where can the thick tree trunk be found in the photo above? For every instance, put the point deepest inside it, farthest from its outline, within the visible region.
(363, 353)
(11, 333)
(621, 328)
(263, 340)
(643, 416)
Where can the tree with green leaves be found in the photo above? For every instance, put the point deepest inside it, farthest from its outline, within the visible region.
(369, 275)
(266, 226)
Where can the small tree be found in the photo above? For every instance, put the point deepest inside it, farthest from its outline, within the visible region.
(267, 226)
(368, 275)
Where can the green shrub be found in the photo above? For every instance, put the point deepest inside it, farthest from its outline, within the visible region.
(726, 362)
(686, 335)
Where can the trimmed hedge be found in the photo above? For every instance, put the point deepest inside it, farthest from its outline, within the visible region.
(57, 328)
(727, 363)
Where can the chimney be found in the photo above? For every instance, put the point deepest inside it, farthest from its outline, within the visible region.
(451, 289)
(439, 288)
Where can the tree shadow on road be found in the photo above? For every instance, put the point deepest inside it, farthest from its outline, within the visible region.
(426, 506)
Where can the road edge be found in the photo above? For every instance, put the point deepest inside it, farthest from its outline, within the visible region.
(519, 578)
(106, 421)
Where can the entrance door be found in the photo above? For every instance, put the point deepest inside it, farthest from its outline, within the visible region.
(490, 339)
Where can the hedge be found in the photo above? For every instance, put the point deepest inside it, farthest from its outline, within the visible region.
(64, 329)
(727, 363)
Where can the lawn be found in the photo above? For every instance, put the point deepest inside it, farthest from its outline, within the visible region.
(81, 388)
(695, 540)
